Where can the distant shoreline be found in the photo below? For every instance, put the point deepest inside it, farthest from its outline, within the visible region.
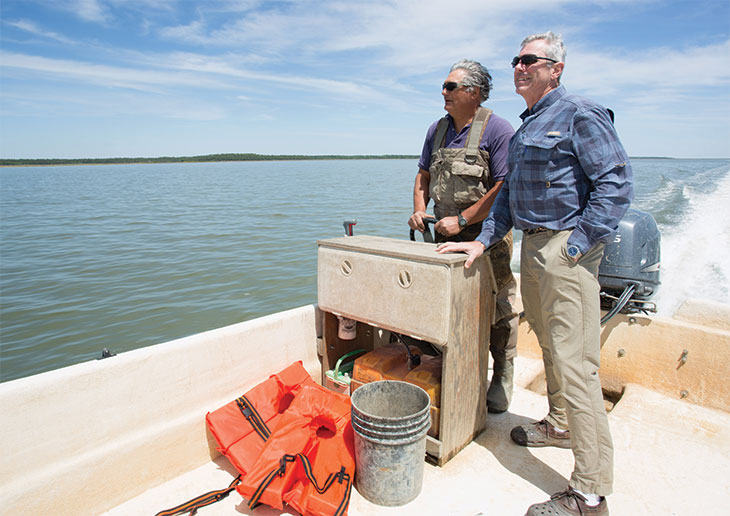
(208, 158)
(213, 158)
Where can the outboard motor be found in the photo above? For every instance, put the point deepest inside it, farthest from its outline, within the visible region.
(629, 272)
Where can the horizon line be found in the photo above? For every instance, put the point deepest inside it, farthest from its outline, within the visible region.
(232, 157)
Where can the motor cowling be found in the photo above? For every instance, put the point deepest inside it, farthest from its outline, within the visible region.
(632, 259)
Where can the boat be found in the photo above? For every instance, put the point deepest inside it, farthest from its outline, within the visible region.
(126, 435)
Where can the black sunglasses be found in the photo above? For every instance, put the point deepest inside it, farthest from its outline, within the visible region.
(451, 86)
(529, 59)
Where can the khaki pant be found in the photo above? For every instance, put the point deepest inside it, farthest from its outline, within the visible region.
(562, 305)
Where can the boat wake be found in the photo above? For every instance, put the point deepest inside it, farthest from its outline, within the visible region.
(695, 253)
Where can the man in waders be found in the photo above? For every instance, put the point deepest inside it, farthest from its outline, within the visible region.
(462, 167)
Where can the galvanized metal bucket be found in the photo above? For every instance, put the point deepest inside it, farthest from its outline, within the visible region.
(391, 420)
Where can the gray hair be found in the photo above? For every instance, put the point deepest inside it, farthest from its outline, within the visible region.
(476, 76)
(554, 48)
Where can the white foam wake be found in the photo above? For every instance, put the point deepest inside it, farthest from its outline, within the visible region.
(696, 254)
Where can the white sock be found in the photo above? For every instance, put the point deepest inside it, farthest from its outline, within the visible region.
(591, 499)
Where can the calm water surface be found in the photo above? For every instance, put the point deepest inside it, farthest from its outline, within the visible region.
(126, 256)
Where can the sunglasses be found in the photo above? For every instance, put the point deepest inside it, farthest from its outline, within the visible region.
(451, 86)
(529, 59)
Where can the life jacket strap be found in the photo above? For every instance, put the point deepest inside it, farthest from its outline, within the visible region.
(340, 476)
(192, 506)
(252, 416)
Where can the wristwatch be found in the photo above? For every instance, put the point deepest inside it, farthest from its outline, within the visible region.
(462, 221)
(574, 252)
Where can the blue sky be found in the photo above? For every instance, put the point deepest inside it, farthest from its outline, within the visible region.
(130, 78)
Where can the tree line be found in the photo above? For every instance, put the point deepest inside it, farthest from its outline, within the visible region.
(196, 159)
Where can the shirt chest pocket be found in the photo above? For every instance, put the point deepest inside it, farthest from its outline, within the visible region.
(544, 155)
(468, 182)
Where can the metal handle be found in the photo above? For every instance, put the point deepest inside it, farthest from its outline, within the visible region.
(427, 236)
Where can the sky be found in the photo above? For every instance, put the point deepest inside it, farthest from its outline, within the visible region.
(150, 78)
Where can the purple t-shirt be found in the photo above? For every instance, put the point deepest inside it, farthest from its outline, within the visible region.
(495, 140)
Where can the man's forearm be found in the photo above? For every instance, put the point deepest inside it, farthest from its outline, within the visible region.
(421, 191)
(478, 211)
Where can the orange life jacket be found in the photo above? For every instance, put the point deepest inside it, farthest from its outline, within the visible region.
(308, 461)
(241, 427)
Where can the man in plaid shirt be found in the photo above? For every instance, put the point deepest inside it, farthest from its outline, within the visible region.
(570, 183)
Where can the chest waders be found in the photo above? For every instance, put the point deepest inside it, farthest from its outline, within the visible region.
(459, 178)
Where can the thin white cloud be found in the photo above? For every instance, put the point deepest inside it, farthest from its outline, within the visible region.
(230, 68)
(104, 104)
(95, 11)
(89, 10)
(409, 35)
(654, 69)
(121, 77)
(192, 33)
(104, 11)
(181, 74)
(33, 28)
(146, 5)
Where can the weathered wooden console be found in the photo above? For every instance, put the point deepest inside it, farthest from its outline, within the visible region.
(406, 287)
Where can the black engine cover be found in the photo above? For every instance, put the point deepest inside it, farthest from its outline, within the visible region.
(633, 257)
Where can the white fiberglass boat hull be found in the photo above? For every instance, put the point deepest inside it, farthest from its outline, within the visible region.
(127, 435)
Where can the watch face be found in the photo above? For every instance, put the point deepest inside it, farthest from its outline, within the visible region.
(573, 251)
(462, 221)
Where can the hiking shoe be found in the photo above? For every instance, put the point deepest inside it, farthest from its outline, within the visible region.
(568, 503)
(539, 434)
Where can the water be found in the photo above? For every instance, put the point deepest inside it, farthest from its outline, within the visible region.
(127, 256)
(690, 200)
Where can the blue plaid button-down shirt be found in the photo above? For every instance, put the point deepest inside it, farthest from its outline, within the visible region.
(568, 169)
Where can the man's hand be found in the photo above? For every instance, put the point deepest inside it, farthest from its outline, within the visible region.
(416, 220)
(474, 249)
(448, 226)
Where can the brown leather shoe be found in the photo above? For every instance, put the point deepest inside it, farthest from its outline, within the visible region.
(539, 434)
(568, 503)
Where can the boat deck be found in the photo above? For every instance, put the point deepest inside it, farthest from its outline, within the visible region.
(671, 457)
